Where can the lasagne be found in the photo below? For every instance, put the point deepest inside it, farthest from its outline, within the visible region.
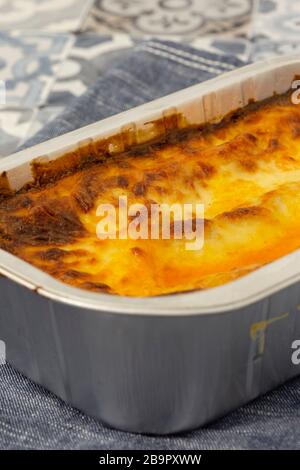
(244, 170)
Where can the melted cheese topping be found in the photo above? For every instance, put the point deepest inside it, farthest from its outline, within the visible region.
(246, 172)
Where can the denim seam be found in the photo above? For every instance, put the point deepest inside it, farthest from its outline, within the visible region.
(184, 62)
(192, 57)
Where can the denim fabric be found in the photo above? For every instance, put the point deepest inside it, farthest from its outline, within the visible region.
(30, 416)
(134, 76)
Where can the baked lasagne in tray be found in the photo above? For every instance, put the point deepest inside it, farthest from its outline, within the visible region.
(244, 170)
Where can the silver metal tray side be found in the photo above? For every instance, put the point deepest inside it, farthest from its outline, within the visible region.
(166, 364)
(156, 374)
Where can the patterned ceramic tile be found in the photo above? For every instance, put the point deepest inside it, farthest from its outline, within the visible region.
(277, 20)
(28, 63)
(170, 18)
(43, 15)
(61, 73)
(265, 49)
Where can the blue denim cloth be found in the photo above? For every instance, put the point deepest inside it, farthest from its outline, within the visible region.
(30, 416)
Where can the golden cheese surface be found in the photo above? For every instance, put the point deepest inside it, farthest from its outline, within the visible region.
(245, 171)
